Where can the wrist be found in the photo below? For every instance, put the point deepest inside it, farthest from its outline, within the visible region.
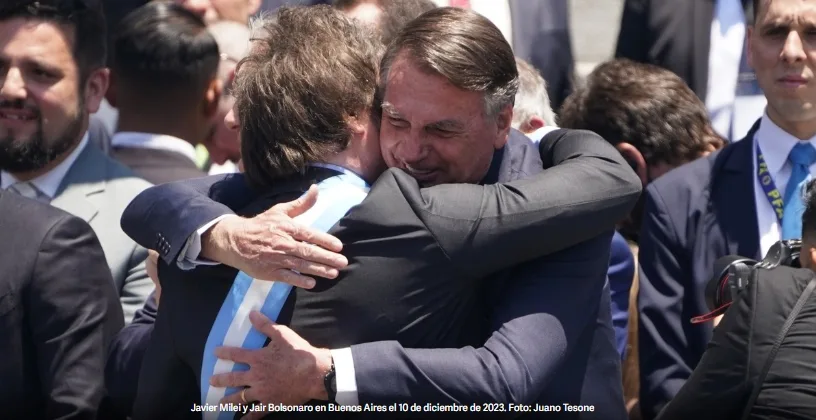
(215, 241)
(323, 365)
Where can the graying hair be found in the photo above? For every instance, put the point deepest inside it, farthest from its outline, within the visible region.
(531, 99)
(463, 47)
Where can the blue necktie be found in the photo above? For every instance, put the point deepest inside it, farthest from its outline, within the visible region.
(801, 157)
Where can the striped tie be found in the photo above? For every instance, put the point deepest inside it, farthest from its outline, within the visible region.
(337, 195)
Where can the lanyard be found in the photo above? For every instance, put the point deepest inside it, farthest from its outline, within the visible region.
(769, 186)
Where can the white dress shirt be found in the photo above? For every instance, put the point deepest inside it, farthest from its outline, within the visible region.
(497, 11)
(154, 141)
(776, 145)
(538, 135)
(49, 182)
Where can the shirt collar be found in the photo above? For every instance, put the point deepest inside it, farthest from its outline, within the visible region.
(776, 144)
(538, 135)
(49, 182)
(352, 176)
(154, 141)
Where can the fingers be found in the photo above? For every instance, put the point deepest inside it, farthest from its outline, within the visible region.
(152, 267)
(317, 261)
(316, 237)
(301, 205)
(234, 398)
(290, 277)
(263, 324)
(235, 354)
(230, 379)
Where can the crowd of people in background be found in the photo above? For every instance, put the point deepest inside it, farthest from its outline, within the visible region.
(328, 204)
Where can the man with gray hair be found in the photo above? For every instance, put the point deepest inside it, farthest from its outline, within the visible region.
(532, 110)
(448, 83)
(223, 144)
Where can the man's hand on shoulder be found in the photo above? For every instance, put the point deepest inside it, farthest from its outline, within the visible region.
(273, 246)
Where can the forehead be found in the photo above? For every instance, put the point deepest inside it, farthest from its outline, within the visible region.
(410, 88)
(36, 39)
(786, 12)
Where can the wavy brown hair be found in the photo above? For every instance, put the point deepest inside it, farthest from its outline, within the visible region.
(309, 72)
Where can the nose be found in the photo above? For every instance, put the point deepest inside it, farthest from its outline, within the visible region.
(793, 51)
(412, 149)
(230, 121)
(13, 86)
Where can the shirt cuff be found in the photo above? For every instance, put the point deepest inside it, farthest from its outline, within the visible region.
(188, 256)
(345, 377)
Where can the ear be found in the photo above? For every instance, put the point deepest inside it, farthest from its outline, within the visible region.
(635, 158)
(504, 121)
(212, 99)
(110, 95)
(807, 258)
(95, 88)
(534, 123)
(253, 6)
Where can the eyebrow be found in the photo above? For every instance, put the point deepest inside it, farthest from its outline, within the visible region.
(446, 125)
(391, 110)
(33, 62)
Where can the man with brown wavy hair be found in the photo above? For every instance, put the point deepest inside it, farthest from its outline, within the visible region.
(416, 257)
(657, 123)
(648, 113)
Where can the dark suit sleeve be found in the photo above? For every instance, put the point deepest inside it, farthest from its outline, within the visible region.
(164, 388)
(73, 313)
(634, 36)
(662, 340)
(483, 229)
(163, 217)
(536, 323)
(717, 389)
(125, 357)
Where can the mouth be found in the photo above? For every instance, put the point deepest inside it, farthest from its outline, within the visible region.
(17, 115)
(420, 174)
(792, 81)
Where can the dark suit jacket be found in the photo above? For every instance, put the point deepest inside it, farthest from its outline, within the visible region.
(157, 166)
(693, 215)
(541, 36)
(428, 267)
(58, 312)
(720, 386)
(672, 34)
(520, 360)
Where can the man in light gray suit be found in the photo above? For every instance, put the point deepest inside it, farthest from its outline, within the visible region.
(51, 86)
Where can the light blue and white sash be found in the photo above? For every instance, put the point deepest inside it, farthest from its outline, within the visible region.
(336, 196)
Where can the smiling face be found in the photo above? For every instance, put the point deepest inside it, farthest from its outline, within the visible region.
(435, 131)
(782, 52)
(43, 107)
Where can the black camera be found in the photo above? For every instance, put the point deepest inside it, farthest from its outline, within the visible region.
(733, 273)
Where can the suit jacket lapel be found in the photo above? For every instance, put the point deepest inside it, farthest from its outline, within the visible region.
(86, 177)
(732, 197)
(702, 17)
